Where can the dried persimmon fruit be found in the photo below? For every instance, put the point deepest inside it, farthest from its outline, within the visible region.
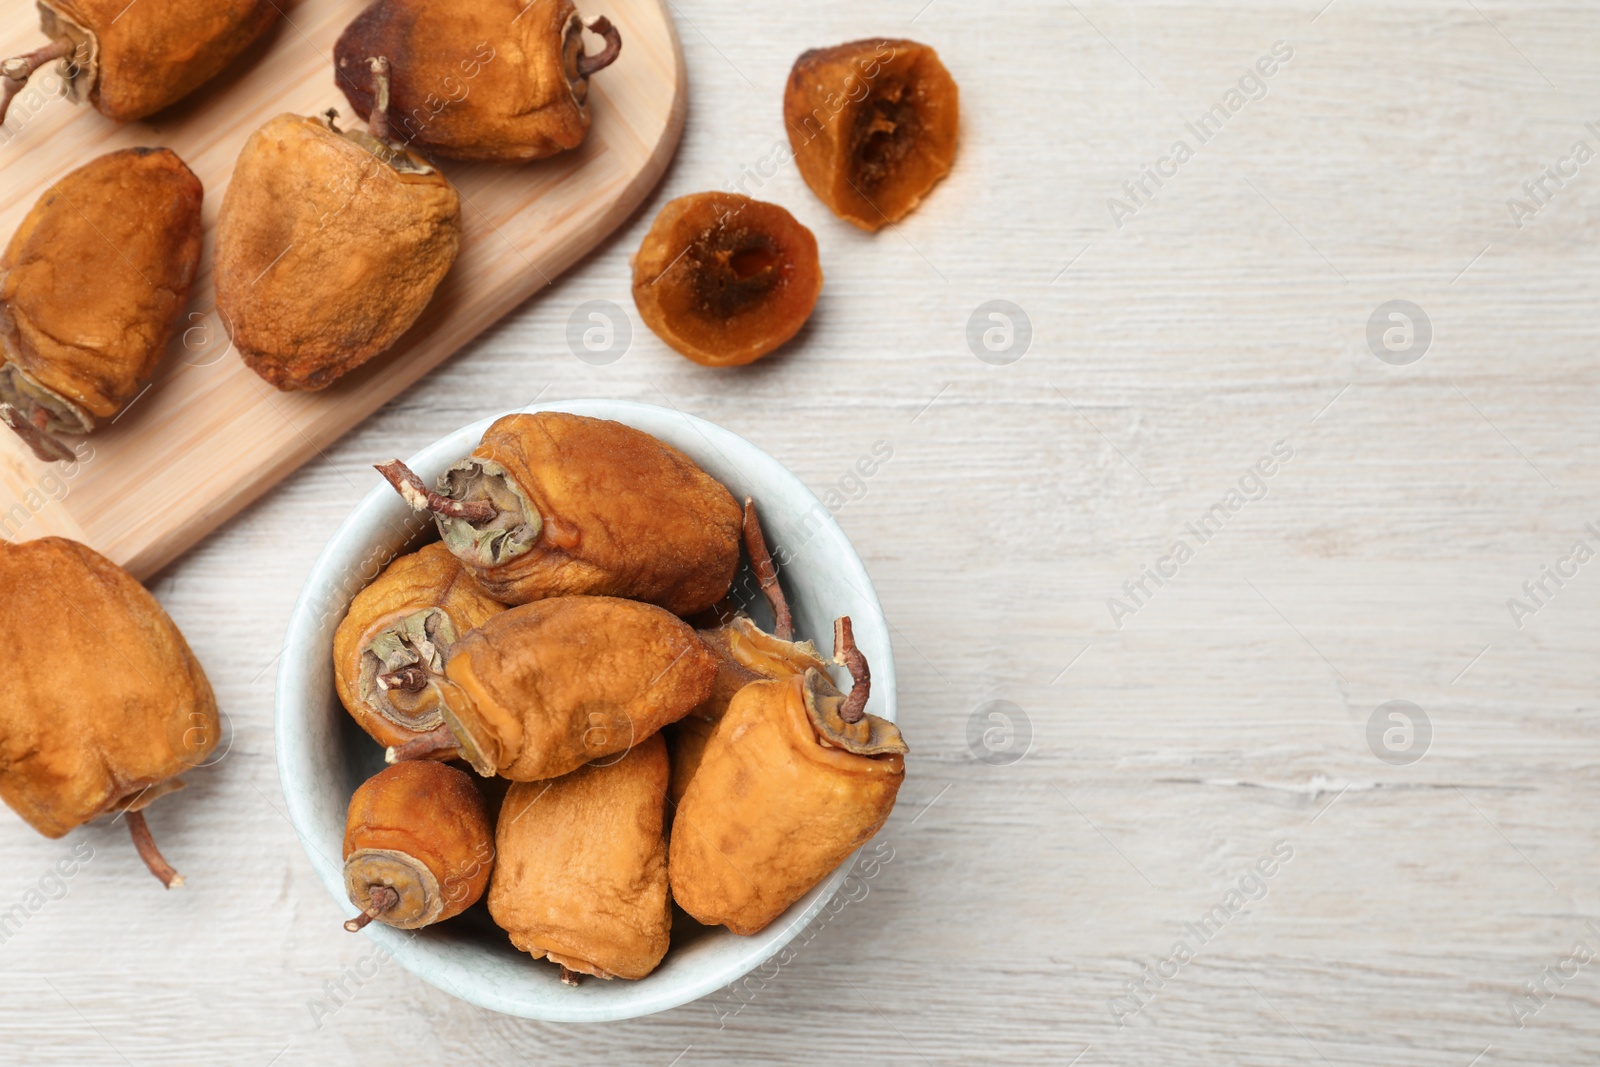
(744, 653)
(540, 690)
(418, 846)
(390, 649)
(725, 279)
(90, 287)
(873, 126)
(581, 874)
(489, 80)
(105, 705)
(552, 504)
(132, 60)
(329, 245)
(795, 777)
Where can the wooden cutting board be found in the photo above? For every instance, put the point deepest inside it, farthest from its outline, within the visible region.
(208, 436)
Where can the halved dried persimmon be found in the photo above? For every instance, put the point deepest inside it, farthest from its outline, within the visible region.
(725, 279)
(873, 126)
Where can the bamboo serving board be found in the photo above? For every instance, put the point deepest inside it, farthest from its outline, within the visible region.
(208, 436)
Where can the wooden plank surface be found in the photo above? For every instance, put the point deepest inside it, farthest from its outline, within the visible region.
(209, 436)
(1168, 757)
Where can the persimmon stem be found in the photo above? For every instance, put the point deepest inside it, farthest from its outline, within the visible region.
(601, 27)
(146, 846)
(419, 496)
(854, 708)
(412, 679)
(439, 739)
(45, 444)
(378, 118)
(383, 898)
(766, 573)
(15, 72)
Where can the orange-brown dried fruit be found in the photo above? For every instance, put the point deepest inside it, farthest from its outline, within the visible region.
(390, 649)
(795, 777)
(90, 287)
(418, 846)
(489, 80)
(725, 279)
(553, 504)
(105, 705)
(132, 60)
(744, 653)
(582, 871)
(329, 246)
(873, 126)
(542, 689)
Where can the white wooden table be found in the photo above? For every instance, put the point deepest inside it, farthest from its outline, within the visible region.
(1172, 743)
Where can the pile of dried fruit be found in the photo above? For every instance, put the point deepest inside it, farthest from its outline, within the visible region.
(570, 634)
(547, 641)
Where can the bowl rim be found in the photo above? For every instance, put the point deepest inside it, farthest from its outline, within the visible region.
(292, 725)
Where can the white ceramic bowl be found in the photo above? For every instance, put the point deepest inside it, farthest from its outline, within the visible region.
(323, 756)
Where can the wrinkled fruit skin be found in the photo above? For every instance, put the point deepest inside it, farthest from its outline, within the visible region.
(325, 254)
(428, 578)
(540, 690)
(873, 126)
(582, 871)
(104, 703)
(745, 653)
(432, 814)
(623, 514)
(94, 280)
(770, 812)
(485, 80)
(144, 56)
(725, 279)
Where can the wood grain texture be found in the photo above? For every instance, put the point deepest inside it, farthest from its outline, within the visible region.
(209, 436)
(1177, 750)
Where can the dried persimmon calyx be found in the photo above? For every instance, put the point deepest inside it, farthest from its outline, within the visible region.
(402, 657)
(43, 406)
(510, 532)
(417, 899)
(873, 126)
(78, 48)
(869, 735)
(390, 649)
